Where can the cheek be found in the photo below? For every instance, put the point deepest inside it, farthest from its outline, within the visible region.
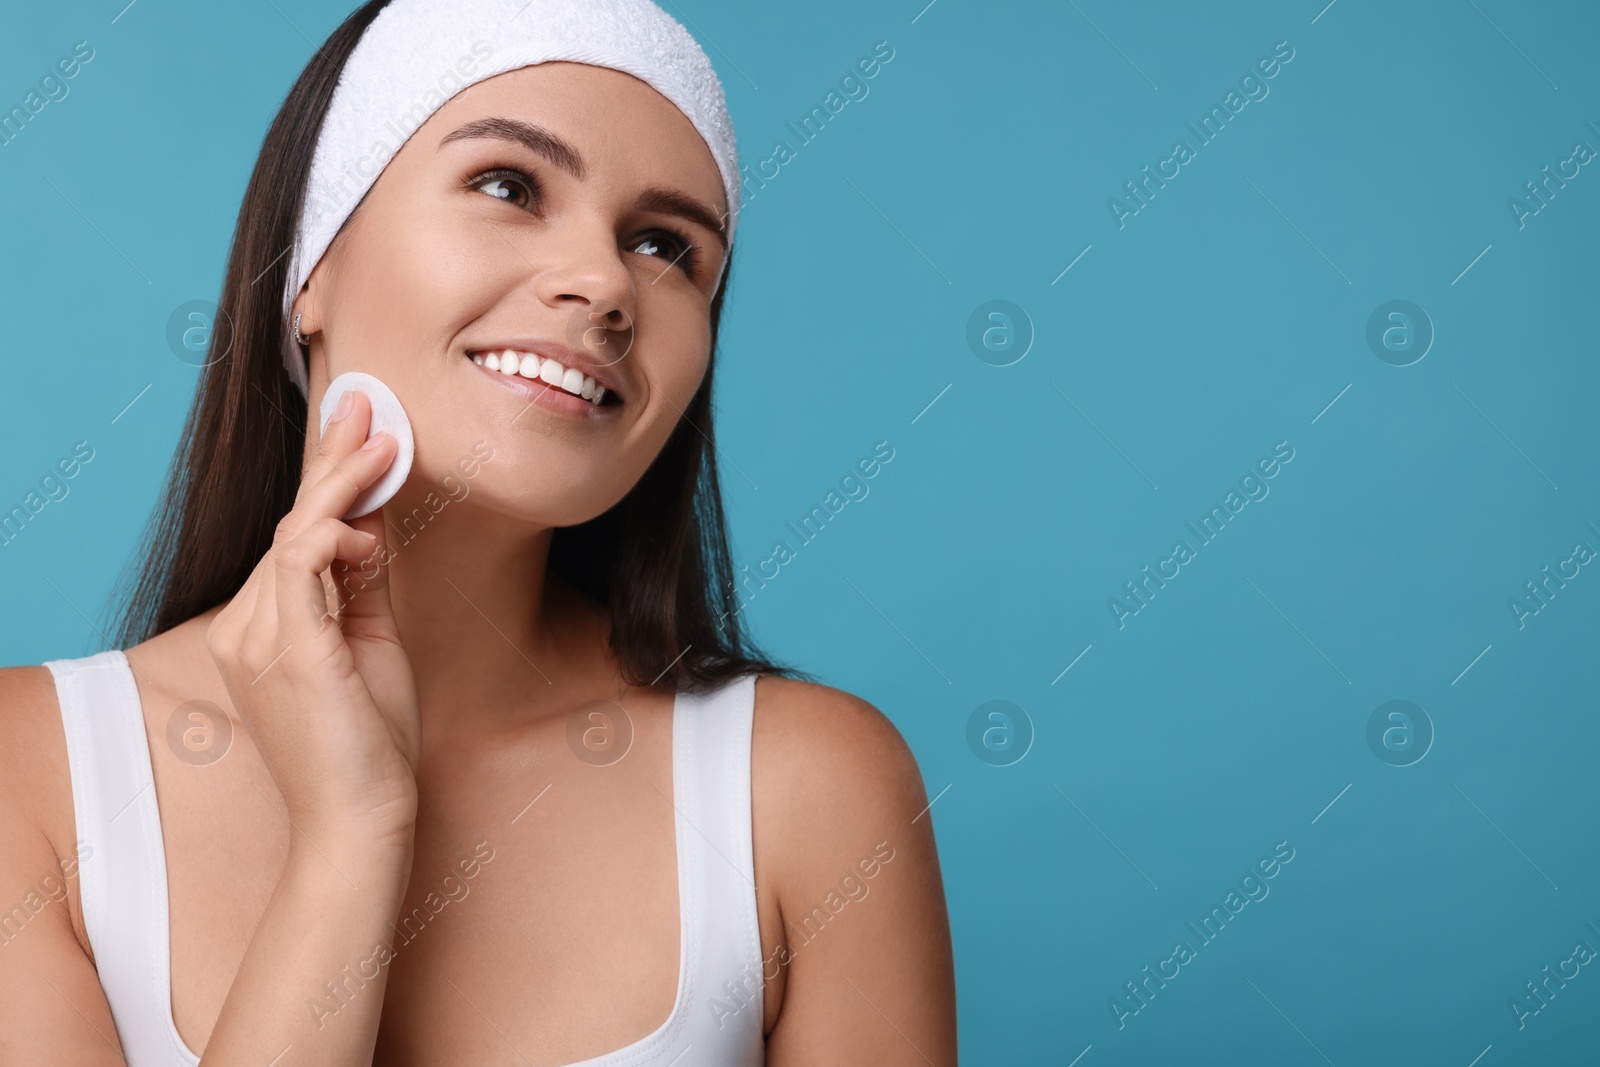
(401, 296)
(673, 341)
(402, 291)
(674, 368)
(670, 357)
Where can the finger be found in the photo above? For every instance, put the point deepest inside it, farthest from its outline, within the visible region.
(332, 495)
(342, 436)
(233, 620)
(364, 605)
(301, 598)
(243, 609)
(260, 642)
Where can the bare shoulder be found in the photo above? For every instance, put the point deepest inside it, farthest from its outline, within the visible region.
(33, 752)
(36, 816)
(35, 780)
(830, 759)
(832, 782)
(845, 850)
(52, 1007)
(26, 694)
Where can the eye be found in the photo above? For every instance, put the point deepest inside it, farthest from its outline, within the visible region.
(521, 190)
(671, 246)
(509, 184)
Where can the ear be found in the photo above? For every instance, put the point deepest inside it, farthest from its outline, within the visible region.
(305, 305)
(308, 307)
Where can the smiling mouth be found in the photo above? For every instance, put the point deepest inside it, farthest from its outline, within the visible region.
(535, 367)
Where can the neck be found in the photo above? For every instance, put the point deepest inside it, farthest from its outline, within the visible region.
(492, 637)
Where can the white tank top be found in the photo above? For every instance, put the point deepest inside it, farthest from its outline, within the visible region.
(718, 1012)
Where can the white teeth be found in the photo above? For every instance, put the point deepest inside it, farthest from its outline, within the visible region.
(534, 368)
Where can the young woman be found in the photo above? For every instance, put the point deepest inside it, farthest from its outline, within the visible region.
(489, 775)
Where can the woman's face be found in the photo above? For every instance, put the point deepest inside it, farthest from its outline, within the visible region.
(551, 210)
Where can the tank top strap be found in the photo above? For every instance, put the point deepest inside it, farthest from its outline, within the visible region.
(716, 871)
(122, 880)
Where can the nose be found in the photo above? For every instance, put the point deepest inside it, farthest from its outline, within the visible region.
(583, 275)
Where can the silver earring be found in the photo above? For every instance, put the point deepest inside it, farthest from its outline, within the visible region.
(297, 338)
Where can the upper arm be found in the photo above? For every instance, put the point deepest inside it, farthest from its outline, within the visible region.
(844, 833)
(52, 1008)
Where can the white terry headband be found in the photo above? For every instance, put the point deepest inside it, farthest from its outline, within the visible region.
(416, 54)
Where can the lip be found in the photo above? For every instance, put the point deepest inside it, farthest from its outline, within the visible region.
(602, 372)
(541, 393)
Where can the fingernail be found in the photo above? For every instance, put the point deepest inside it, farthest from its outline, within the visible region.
(346, 402)
(375, 440)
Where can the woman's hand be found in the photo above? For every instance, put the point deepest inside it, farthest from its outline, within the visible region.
(329, 698)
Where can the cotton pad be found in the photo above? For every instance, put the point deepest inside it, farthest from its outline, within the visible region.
(387, 416)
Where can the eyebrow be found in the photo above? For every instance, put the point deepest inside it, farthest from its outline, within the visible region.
(543, 143)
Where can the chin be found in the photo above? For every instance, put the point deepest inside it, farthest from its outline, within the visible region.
(537, 500)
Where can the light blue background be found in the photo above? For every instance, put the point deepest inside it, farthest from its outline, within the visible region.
(1226, 316)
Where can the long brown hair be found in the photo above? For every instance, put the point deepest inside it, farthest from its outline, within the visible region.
(658, 560)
